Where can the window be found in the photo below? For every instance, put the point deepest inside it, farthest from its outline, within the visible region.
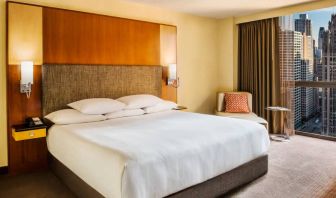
(307, 57)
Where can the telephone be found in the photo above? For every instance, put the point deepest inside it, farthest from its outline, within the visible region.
(32, 122)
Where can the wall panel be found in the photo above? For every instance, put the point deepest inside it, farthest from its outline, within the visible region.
(24, 155)
(71, 37)
(168, 51)
(24, 33)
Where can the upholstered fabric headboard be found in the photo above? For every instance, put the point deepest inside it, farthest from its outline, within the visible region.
(63, 84)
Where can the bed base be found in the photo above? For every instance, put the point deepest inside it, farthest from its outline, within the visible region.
(214, 187)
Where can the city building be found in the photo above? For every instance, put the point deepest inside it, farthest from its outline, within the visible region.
(307, 97)
(318, 65)
(297, 63)
(320, 37)
(303, 24)
(286, 22)
(308, 108)
(329, 75)
(291, 52)
(317, 77)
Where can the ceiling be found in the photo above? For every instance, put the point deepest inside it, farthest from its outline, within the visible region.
(221, 8)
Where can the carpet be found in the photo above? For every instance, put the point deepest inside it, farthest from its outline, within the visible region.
(303, 167)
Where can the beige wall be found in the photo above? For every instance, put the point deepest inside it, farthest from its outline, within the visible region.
(227, 41)
(197, 51)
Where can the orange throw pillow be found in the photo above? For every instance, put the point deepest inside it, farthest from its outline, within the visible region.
(236, 103)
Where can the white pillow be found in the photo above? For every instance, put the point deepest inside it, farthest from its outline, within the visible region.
(163, 106)
(125, 113)
(72, 116)
(97, 105)
(139, 101)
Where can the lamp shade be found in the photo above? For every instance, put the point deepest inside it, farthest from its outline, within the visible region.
(27, 72)
(172, 71)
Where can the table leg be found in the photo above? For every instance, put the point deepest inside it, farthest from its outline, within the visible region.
(283, 136)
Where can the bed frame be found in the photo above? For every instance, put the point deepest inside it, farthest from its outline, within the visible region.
(214, 187)
(63, 84)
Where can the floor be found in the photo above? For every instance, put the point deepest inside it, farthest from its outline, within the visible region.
(302, 167)
(35, 185)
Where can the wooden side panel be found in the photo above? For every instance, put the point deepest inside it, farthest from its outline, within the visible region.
(24, 155)
(168, 37)
(168, 53)
(71, 37)
(24, 34)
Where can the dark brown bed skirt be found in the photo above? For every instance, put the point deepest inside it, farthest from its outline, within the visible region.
(214, 187)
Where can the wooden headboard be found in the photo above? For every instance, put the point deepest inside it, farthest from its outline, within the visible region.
(63, 84)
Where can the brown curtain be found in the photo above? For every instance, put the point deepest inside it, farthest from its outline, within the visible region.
(258, 67)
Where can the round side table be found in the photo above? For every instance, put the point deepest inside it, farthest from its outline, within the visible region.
(283, 110)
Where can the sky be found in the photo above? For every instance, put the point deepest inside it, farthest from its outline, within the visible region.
(320, 18)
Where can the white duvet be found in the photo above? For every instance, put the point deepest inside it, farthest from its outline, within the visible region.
(157, 154)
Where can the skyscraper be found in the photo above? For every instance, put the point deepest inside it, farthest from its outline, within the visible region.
(318, 65)
(329, 74)
(317, 77)
(303, 24)
(286, 22)
(290, 49)
(308, 108)
(320, 37)
(318, 55)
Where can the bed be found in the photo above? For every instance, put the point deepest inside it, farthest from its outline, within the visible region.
(155, 155)
(173, 153)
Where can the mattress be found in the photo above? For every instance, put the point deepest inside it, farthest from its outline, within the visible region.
(157, 154)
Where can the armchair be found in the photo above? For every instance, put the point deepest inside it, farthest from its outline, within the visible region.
(220, 110)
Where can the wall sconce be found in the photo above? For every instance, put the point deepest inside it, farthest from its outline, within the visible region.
(27, 77)
(172, 78)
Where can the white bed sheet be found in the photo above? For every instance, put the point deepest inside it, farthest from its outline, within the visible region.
(157, 154)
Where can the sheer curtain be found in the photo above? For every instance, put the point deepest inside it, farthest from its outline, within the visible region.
(289, 67)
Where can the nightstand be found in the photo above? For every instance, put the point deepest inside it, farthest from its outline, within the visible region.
(28, 148)
(180, 108)
(24, 132)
